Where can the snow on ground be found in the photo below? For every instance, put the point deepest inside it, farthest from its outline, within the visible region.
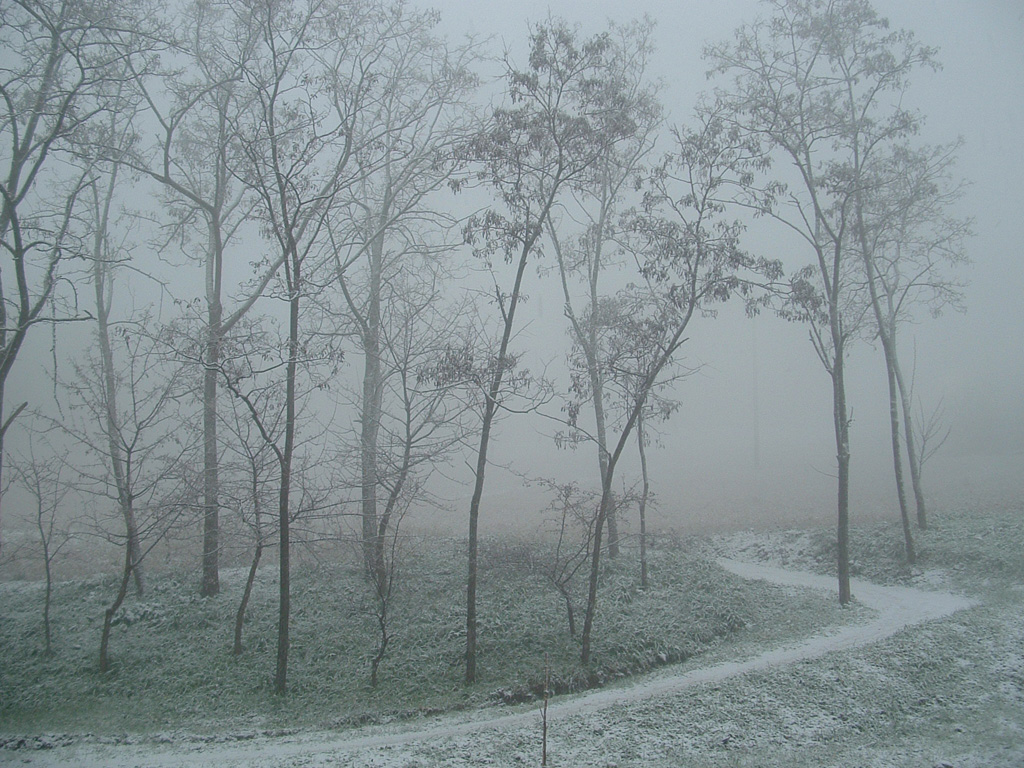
(636, 719)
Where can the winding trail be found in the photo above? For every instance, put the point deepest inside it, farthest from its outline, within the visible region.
(895, 609)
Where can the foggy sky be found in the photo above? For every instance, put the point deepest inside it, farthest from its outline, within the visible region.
(754, 433)
(715, 459)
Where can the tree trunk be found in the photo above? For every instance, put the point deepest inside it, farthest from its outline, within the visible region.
(613, 529)
(897, 464)
(490, 410)
(370, 415)
(108, 616)
(889, 353)
(842, 429)
(240, 615)
(119, 463)
(570, 614)
(211, 458)
(474, 522)
(47, 558)
(211, 491)
(635, 415)
(887, 335)
(595, 570)
(134, 547)
(284, 513)
(1, 444)
(645, 490)
(914, 460)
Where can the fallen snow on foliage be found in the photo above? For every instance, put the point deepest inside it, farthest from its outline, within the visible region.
(583, 729)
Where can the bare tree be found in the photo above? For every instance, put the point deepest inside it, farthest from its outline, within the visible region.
(566, 108)
(815, 84)
(251, 499)
(688, 260)
(42, 478)
(196, 101)
(423, 421)
(251, 364)
(151, 490)
(929, 435)
(58, 61)
(410, 127)
(907, 239)
(574, 525)
(645, 497)
(107, 255)
(384, 574)
(303, 76)
(588, 256)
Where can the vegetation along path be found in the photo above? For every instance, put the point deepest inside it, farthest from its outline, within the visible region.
(512, 738)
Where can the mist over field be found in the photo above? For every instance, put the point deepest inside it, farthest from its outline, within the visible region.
(752, 437)
(347, 343)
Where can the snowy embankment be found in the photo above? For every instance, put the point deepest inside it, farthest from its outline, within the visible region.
(513, 738)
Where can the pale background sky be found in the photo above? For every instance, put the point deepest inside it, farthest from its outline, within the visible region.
(974, 362)
(754, 434)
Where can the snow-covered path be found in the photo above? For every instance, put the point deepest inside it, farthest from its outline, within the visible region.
(461, 735)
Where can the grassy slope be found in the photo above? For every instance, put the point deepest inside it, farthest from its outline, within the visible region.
(173, 667)
(949, 693)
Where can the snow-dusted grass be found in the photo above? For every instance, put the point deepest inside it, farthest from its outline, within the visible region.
(971, 548)
(173, 668)
(944, 691)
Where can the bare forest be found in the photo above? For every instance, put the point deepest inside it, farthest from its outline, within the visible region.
(373, 366)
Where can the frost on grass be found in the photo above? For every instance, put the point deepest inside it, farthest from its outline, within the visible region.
(945, 692)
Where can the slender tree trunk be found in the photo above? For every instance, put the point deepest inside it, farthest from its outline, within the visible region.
(613, 529)
(369, 430)
(474, 518)
(897, 464)
(613, 459)
(593, 363)
(244, 604)
(914, 460)
(2, 431)
(5, 422)
(889, 353)
(570, 614)
(645, 490)
(370, 412)
(602, 452)
(842, 429)
(284, 513)
(120, 465)
(211, 490)
(134, 548)
(108, 616)
(49, 583)
(886, 334)
(595, 571)
(2, 334)
(490, 410)
(284, 566)
(254, 490)
(211, 458)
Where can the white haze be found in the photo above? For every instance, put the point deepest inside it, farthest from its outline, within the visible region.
(753, 437)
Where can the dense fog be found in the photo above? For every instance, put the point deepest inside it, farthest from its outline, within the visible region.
(468, 358)
(752, 435)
